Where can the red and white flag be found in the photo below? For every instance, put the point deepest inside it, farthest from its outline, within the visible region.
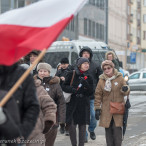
(34, 27)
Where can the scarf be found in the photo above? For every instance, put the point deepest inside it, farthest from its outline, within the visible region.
(108, 84)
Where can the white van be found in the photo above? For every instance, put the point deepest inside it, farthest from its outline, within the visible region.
(71, 49)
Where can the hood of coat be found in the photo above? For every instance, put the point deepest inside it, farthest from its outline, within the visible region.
(110, 52)
(116, 73)
(51, 80)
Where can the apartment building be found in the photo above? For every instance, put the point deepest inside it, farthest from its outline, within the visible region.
(136, 29)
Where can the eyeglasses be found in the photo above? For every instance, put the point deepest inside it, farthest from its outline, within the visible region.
(108, 68)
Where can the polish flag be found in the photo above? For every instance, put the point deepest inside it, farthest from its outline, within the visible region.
(34, 27)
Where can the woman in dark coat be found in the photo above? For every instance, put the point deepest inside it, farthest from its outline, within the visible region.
(78, 109)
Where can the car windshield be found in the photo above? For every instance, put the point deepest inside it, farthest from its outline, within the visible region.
(53, 58)
(99, 56)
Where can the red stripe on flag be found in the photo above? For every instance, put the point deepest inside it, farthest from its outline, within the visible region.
(17, 41)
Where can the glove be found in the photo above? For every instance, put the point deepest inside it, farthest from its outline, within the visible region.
(48, 126)
(74, 90)
(124, 88)
(97, 114)
(84, 83)
(2, 116)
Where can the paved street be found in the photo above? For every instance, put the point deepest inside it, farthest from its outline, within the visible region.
(136, 130)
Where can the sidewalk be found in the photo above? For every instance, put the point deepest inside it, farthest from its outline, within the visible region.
(63, 140)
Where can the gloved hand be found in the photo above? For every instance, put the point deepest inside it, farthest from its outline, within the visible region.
(124, 88)
(97, 114)
(2, 116)
(74, 90)
(48, 126)
(84, 83)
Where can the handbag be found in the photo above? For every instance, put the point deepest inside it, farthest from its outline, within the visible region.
(117, 108)
(67, 96)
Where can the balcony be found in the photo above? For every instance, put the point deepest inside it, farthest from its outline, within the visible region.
(130, 37)
(138, 23)
(138, 5)
(138, 41)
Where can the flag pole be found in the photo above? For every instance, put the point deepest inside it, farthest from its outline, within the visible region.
(21, 79)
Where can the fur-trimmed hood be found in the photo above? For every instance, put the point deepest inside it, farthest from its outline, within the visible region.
(51, 80)
(116, 73)
(110, 52)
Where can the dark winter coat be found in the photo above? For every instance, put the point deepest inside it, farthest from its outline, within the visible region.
(10, 129)
(94, 69)
(51, 85)
(63, 72)
(25, 96)
(78, 109)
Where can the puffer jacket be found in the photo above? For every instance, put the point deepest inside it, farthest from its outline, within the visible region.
(52, 86)
(103, 98)
(48, 111)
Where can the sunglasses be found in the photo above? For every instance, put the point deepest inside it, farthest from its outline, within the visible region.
(108, 68)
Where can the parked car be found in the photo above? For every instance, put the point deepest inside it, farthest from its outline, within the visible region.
(137, 81)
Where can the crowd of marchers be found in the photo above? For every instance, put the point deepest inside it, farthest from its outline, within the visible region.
(39, 106)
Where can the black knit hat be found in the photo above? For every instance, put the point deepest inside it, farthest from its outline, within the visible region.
(81, 60)
(64, 61)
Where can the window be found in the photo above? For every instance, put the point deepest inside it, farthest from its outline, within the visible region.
(144, 35)
(97, 30)
(144, 18)
(53, 58)
(98, 3)
(72, 25)
(93, 29)
(135, 76)
(74, 57)
(5, 5)
(89, 29)
(85, 26)
(144, 2)
(21, 3)
(144, 75)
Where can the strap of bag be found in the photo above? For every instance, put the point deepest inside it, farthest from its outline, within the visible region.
(72, 77)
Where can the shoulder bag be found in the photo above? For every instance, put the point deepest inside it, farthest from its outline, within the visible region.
(67, 96)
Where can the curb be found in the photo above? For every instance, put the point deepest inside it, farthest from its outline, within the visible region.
(137, 92)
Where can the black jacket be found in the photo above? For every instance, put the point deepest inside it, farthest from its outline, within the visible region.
(25, 96)
(78, 109)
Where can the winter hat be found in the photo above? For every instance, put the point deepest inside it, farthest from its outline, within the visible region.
(35, 52)
(81, 60)
(86, 48)
(44, 66)
(64, 61)
(107, 62)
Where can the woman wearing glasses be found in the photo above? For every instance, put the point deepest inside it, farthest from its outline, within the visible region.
(111, 88)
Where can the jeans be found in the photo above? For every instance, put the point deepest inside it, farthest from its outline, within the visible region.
(93, 121)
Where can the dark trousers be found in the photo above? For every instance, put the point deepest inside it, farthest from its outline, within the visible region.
(50, 137)
(73, 134)
(113, 135)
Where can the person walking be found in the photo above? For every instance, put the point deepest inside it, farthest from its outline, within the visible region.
(25, 96)
(47, 116)
(95, 71)
(61, 73)
(110, 55)
(52, 86)
(78, 109)
(111, 88)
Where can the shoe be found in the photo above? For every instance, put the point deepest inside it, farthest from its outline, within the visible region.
(92, 135)
(67, 133)
(62, 130)
(86, 140)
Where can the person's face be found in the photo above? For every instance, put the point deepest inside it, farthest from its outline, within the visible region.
(108, 70)
(43, 73)
(64, 66)
(110, 57)
(33, 57)
(86, 54)
(85, 66)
